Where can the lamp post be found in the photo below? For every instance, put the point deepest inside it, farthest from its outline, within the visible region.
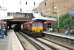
(58, 23)
(57, 14)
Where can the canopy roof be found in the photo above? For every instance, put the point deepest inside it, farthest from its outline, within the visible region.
(39, 17)
(44, 18)
(6, 17)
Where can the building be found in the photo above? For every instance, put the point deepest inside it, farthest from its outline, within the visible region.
(55, 7)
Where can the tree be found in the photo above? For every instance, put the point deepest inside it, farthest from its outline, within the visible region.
(66, 21)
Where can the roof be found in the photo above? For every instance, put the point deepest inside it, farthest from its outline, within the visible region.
(39, 17)
(44, 18)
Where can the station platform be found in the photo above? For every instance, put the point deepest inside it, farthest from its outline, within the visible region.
(4, 43)
(60, 35)
(10, 42)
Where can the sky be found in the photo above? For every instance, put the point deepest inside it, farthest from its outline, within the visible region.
(15, 5)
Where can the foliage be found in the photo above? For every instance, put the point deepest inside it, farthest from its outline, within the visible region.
(65, 21)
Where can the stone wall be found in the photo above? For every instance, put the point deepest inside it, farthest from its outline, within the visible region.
(55, 7)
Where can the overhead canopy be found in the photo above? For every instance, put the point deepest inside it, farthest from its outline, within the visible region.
(6, 17)
(38, 16)
(44, 18)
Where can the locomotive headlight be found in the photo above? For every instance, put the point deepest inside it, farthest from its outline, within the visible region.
(45, 22)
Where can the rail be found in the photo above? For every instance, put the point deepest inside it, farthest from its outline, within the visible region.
(36, 43)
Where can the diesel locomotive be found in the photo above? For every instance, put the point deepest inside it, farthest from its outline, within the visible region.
(34, 28)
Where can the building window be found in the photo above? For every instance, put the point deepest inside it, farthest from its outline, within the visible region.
(45, 3)
(34, 3)
(26, 2)
(20, 10)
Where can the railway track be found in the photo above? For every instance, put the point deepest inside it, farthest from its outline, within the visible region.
(30, 43)
(67, 43)
(25, 43)
(53, 44)
(36, 45)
